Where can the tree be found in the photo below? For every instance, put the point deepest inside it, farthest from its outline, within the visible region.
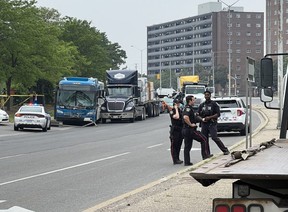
(220, 76)
(29, 47)
(99, 52)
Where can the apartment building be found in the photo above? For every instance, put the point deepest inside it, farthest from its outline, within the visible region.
(205, 40)
(276, 33)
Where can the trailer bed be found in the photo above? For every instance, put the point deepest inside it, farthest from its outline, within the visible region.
(268, 164)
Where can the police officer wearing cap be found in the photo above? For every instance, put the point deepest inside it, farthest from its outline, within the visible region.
(210, 111)
(176, 136)
(190, 132)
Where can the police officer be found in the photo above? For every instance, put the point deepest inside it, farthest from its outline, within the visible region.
(190, 132)
(210, 111)
(176, 136)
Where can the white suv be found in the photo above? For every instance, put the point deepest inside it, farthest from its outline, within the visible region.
(232, 114)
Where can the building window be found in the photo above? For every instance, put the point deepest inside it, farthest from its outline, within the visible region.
(238, 15)
(238, 50)
(258, 34)
(248, 42)
(248, 16)
(258, 16)
(238, 25)
(248, 33)
(286, 20)
(248, 51)
(238, 33)
(238, 60)
(238, 68)
(248, 25)
(258, 51)
(258, 42)
(238, 42)
(258, 25)
(229, 33)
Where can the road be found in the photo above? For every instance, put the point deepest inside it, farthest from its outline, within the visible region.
(72, 168)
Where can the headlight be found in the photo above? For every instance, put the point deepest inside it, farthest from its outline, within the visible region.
(91, 113)
(60, 111)
(103, 108)
(129, 106)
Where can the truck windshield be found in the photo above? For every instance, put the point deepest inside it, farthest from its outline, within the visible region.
(82, 99)
(120, 91)
(194, 89)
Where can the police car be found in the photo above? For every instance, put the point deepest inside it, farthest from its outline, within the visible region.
(32, 116)
(4, 117)
(232, 114)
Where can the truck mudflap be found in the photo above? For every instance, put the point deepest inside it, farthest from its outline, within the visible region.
(249, 205)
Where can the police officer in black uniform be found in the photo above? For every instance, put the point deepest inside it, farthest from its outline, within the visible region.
(210, 111)
(176, 126)
(190, 132)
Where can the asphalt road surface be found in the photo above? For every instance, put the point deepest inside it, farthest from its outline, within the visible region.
(72, 168)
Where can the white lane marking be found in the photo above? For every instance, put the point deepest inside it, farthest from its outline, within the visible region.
(11, 156)
(193, 149)
(63, 169)
(149, 147)
(16, 209)
(8, 135)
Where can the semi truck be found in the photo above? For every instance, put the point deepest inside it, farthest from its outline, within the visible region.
(260, 172)
(129, 97)
(191, 85)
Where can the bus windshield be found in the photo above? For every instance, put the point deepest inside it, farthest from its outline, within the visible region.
(79, 99)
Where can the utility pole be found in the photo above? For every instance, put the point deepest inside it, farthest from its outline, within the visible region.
(229, 44)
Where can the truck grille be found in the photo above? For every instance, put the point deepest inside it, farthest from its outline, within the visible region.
(115, 106)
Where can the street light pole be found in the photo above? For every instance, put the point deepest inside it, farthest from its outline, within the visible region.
(229, 45)
(141, 53)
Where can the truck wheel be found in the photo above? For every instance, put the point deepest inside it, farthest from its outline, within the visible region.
(149, 110)
(143, 114)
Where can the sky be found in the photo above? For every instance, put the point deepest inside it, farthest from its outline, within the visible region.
(125, 21)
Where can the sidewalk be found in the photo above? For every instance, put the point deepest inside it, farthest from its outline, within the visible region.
(180, 192)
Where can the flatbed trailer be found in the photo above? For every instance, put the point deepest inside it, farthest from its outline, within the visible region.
(261, 181)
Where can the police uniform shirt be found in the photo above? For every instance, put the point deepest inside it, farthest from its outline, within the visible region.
(176, 122)
(209, 108)
(188, 111)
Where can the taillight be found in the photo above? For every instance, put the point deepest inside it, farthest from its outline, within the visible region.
(238, 208)
(222, 208)
(234, 208)
(240, 112)
(18, 115)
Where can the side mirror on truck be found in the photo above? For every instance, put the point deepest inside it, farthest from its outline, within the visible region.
(266, 72)
(266, 95)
